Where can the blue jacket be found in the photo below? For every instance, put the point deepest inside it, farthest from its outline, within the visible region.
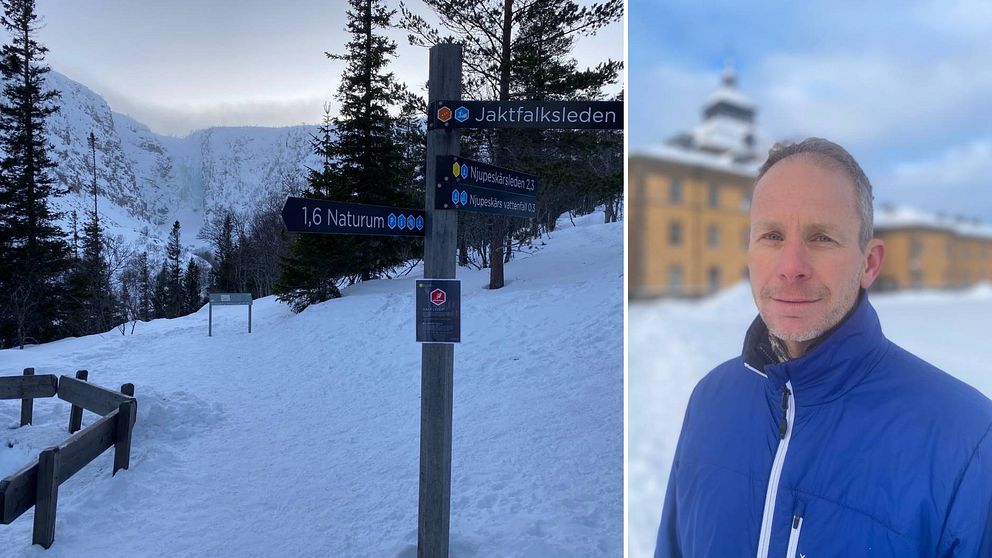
(858, 448)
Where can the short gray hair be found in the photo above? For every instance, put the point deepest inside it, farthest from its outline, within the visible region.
(829, 153)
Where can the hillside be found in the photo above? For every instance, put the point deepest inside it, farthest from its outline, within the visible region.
(302, 438)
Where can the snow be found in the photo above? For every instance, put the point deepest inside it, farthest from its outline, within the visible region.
(722, 163)
(302, 438)
(673, 344)
(888, 217)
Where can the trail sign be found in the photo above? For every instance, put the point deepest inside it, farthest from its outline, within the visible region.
(227, 299)
(439, 304)
(483, 200)
(302, 215)
(484, 175)
(526, 114)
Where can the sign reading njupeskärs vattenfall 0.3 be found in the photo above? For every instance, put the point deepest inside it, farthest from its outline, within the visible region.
(303, 215)
(468, 185)
(606, 115)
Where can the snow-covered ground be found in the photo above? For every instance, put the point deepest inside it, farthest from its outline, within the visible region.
(673, 344)
(302, 438)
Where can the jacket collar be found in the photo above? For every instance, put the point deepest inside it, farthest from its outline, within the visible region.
(839, 361)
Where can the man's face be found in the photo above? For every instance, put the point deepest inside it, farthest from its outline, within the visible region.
(804, 258)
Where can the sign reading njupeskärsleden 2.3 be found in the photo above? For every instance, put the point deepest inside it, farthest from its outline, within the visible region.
(605, 115)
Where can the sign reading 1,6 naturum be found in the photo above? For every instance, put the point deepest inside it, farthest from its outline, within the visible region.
(606, 115)
(303, 215)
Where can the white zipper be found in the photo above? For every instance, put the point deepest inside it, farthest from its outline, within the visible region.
(797, 527)
(773, 478)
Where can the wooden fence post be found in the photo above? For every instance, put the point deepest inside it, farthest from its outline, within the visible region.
(125, 424)
(46, 497)
(76, 413)
(27, 405)
(127, 389)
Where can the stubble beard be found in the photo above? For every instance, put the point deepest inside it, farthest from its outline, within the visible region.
(848, 296)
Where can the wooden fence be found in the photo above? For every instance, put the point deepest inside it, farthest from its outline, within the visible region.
(37, 484)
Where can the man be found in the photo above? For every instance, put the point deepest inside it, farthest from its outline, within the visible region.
(824, 439)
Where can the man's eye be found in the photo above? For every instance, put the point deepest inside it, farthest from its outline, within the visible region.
(771, 236)
(822, 238)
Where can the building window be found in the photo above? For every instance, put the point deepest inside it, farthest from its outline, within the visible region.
(714, 195)
(713, 279)
(916, 278)
(675, 279)
(675, 233)
(675, 192)
(713, 236)
(915, 247)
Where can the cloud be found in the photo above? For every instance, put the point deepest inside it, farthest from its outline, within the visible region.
(968, 165)
(873, 97)
(180, 119)
(666, 98)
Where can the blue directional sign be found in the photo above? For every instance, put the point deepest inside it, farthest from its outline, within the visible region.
(476, 173)
(420, 223)
(454, 197)
(321, 216)
(526, 114)
(484, 200)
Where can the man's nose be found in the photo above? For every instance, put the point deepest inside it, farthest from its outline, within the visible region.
(794, 262)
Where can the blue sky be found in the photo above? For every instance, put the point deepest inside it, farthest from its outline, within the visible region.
(187, 64)
(905, 86)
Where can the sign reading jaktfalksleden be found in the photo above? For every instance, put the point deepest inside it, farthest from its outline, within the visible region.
(474, 173)
(304, 215)
(526, 114)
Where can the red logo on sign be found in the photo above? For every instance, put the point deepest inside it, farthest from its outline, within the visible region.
(438, 297)
(444, 114)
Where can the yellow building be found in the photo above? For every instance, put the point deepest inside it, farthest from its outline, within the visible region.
(688, 223)
(930, 251)
(687, 214)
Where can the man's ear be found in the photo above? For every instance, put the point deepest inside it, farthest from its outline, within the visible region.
(874, 255)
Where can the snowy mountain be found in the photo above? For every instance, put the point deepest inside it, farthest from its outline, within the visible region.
(302, 437)
(146, 180)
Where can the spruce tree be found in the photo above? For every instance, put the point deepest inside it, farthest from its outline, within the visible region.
(161, 299)
(94, 269)
(364, 162)
(145, 294)
(174, 290)
(192, 297)
(34, 255)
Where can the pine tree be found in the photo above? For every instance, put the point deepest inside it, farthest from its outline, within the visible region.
(95, 271)
(192, 297)
(161, 299)
(145, 294)
(517, 51)
(34, 254)
(363, 163)
(174, 290)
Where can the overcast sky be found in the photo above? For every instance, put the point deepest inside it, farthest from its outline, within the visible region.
(181, 65)
(906, 86)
